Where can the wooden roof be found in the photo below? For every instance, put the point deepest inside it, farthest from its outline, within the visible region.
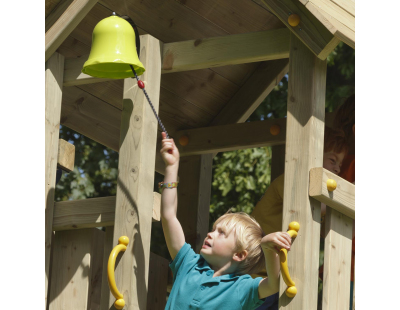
(189, 99)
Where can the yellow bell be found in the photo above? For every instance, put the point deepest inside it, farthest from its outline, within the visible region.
(113, 50)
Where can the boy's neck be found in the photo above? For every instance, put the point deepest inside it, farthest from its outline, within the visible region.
(228, 268)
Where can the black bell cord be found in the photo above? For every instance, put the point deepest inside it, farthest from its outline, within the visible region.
(148, 99)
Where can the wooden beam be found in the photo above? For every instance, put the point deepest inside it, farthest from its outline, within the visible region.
(67, 22)
(231, 137)
(252, 93)
(53, 93)
(66, 155)
(304, 150)
(202, 54)
(92, 212)
(134, 201)
(337, 260)
(56, 13)
(310, 31)
(337, 12)
(342, 199)
(226, 50)
(338, 29)
(76, 265)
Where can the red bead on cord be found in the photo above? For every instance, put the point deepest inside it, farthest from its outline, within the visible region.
(140, 84)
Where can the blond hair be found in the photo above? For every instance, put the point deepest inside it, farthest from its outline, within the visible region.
(248, 234)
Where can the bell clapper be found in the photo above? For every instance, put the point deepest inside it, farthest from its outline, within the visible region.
(141, 86)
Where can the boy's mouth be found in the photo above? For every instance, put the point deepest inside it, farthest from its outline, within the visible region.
(206, 245)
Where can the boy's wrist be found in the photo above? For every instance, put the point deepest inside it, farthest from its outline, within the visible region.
(173, 167)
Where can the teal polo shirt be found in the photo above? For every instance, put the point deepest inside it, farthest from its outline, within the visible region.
(195, 288)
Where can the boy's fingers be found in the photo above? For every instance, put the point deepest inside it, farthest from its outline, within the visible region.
(164, 135)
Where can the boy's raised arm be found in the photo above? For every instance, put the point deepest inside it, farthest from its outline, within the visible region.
(173, 231)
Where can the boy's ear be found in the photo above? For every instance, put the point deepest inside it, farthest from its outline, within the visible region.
(239, 256)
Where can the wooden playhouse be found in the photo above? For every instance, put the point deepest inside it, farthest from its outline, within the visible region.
(209, 64)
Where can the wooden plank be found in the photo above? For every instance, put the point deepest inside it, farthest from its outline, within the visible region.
(73, 267)
(310, 31)
(252, 93)
(110, 92)
(85, 213)
(347, 5)
(50, 5)
(66, 155)
(92, 212)
(134, 201)
(203, 88)
(53, 94)
(107, 299)
(96, 270)
(158, 281)
(336, 12)
(342, 199)
(340, 31)
(61, 29)
(167, 21)
(235, 16)
(337, 260)
(231, 137)
(226, 50)
(195, 174)
(304, 150)
(91, 116)
(237, 74)
(56, 13)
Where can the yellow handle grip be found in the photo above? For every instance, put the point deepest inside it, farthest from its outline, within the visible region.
(291, 291)
(121, 247)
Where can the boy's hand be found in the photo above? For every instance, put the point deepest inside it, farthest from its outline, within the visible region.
(169, 151)
(276, 241)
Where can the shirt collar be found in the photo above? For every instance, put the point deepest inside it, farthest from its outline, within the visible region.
(204, 266)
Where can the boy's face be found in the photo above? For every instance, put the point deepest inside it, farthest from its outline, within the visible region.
(218, 247)
(333, 161)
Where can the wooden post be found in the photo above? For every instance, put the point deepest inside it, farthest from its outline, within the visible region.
(76, 265)
(134, 203)
(54, 82)
(337, 260)
(304, 150)
(277, 161)
(194, 193)
(107, 299)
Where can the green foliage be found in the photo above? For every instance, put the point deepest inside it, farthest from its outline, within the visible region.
(239, 180)
(95, 172)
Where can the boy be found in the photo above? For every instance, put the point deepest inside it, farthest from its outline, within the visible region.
(217, 278)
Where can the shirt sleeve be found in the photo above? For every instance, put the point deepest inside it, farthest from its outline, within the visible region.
(186, 256)
(248, 292)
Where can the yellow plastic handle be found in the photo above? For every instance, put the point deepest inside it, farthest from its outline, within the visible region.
(291, 291)
(121, 247)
